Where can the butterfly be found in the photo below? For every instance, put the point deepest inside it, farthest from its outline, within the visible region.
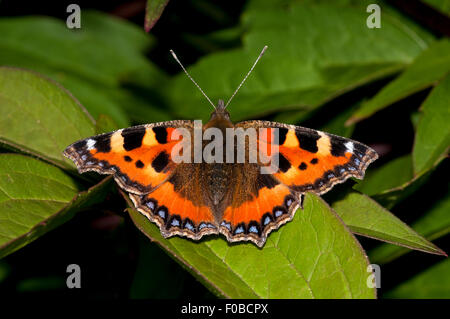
(235, 198)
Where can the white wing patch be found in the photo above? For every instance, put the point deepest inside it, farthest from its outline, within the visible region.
(90, 144)
(349, 147)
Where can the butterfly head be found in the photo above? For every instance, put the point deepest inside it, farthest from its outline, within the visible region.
(220, 113)
(220, 117)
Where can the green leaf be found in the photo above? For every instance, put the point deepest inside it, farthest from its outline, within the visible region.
(337, 124)
(40, 284)
(434, 224)
(141, 108)
(105, 50)
(91, 62)
(39, 116)
(366, 217)
(36, 197)
(432, 283)
(307, 63)
(431, 66)
(393, 182)
(440, 5)
(153, 11)
(432, 138)
(105, 124)
(94, 97)
(391, 175)
(313, 256)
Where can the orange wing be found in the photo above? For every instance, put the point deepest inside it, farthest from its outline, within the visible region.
(307, 160)
(138, 157)
(254, 219)
(174, 213)
(310, 160)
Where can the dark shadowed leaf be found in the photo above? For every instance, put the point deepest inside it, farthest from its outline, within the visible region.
(36, 197)
(307, 63)
(298, 261)
(92, 62)
(432, 140)
(440, 5)
(39, 116)
(393, 182)
(153, 11)
(434, 224)
(105, 124)
(366, 217)
(431, 66)
(153, 260)
(391, 175)
(431, 283)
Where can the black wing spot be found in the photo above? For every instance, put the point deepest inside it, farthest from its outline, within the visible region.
(308, 141)
(103, 143)
(132, 137)
(337, 146)
(314, 161)
(281, 133)
(303, 166)
(127, 158)
(160, 134)
(80, 145)
(160, 161)
(139, 164)
(283, 163)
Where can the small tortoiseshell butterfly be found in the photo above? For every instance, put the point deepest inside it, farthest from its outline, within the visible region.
(234, 198)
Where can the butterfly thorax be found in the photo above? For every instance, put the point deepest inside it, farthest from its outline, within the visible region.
(217, 176)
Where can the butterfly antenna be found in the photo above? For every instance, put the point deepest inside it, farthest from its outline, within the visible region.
(190, 77)
(254, 64)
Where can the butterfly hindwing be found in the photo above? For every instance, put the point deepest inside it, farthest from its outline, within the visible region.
(256, 217)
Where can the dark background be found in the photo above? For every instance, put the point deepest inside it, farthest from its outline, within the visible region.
(116, 259)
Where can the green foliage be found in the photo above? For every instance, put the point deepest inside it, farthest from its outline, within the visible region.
(431, 66)
(433, 132)
(153, 11)
(432, 283)
(433, 225)
(94, 63)
(332, 58)
(365, 217)
(35, 198)
(302, 258)
(39, 116)
(441, 5)
(318, 54)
